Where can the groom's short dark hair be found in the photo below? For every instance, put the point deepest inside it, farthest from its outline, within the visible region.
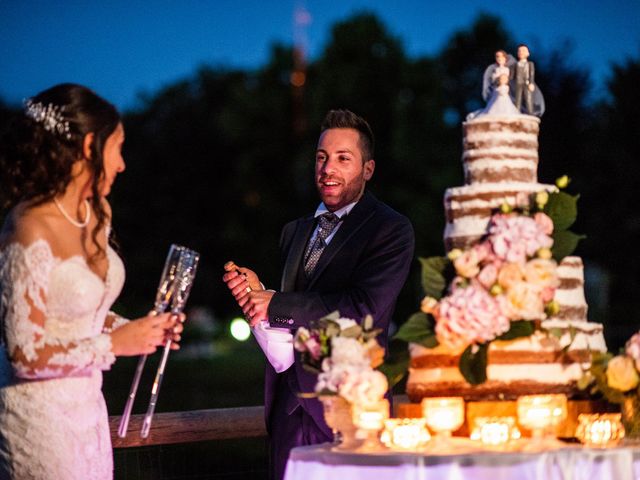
(348, 119)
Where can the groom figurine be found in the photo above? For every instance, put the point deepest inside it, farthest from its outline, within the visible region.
(353, 255)
(524, 80)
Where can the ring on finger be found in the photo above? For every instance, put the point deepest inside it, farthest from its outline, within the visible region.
(248, 289)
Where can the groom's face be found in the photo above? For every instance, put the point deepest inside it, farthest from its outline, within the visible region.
(341, 173)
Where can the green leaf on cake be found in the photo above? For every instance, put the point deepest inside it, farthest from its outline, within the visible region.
(433, 279)
(396, 366)
(518, 329)
(418, 329)
(564, 243)
(562, 208)
(473, 364)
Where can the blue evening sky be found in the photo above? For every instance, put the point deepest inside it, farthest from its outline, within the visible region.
(121, 48)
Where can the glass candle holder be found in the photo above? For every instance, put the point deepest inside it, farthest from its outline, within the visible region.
(370, 420)
(405, 433)
(443, 415)
(495, 431)
(600, 430)
(542, 414)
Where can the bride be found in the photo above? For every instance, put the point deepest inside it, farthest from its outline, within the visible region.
(58, 279)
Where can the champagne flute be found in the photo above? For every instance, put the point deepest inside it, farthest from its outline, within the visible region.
(163, 297)
(184, 281)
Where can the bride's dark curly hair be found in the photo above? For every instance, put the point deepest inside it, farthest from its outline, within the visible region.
(36, 162)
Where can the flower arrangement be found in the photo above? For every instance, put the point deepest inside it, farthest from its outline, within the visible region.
(616, 377)
(508, 276)
(499, 288)
(345, 355)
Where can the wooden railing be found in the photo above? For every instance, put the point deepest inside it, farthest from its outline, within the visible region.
(192, 426)
(199, 425)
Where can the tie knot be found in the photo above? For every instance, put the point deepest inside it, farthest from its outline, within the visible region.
(328, 221)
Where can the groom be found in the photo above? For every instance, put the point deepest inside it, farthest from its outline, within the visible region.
(353, 255)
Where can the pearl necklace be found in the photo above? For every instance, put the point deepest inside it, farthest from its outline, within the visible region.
(74, 222)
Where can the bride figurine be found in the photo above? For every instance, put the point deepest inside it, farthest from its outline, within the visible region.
(502, 66)
(500, 102)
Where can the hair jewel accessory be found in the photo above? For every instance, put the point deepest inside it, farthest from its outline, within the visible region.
(50, 116)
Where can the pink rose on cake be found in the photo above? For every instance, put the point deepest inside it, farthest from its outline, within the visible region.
(467, 264)
(488, 275)
(524, 302)
(467, 316)
(510, 274)
(544, 222)
(541, 273)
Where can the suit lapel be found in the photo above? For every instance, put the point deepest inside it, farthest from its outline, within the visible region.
(296, 252)
(362, 212)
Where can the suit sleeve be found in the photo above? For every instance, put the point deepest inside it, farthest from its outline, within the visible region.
(372, 288)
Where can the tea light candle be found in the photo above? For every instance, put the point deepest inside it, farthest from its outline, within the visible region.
(443, 414)
(495, 431)
(405, 433)
(600, 430)
(541, 412)
(370, 420)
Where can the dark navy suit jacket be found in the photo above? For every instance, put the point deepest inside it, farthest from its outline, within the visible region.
(360, 272)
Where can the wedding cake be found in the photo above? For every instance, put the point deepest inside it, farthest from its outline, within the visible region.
(500, 159)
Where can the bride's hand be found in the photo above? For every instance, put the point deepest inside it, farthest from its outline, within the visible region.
(144, 335)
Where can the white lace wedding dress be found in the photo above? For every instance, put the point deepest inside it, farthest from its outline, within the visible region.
(53, 418)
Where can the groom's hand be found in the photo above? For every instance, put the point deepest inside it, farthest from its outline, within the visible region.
(255, 305)
(240, 280)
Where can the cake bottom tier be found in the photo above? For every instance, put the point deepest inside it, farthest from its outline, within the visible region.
(490, 390)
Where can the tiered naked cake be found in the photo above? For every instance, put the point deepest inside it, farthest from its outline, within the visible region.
(500, 158)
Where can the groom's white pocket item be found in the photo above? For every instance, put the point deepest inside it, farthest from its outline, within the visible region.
(276, 343)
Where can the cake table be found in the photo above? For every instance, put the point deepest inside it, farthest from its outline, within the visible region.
(319, 462)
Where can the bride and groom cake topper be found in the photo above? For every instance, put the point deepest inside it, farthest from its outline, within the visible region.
(508, 86)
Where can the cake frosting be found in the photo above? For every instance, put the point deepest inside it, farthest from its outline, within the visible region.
(500, 160)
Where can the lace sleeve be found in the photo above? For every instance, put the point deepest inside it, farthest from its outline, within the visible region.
(34, 352)
(113, 322)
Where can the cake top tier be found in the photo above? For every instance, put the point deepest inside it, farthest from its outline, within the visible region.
(498, 149)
